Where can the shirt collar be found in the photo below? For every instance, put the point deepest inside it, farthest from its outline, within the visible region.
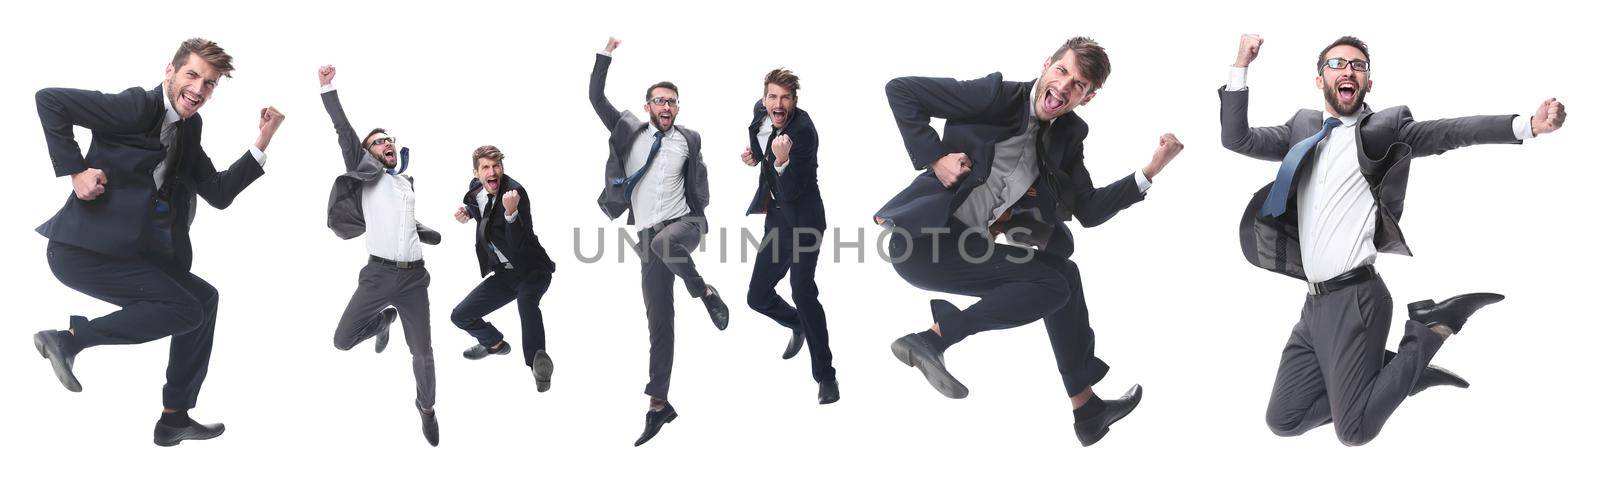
(1348, 121)
(172, 114)
(654, 128)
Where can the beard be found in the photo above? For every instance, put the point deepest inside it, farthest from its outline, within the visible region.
(660, 123)
(1330, 93)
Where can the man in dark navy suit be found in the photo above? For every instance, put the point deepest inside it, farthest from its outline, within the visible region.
(783, 144)
(1010, 161)
(123, 235)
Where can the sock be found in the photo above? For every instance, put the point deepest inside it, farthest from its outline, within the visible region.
(1090, 409)
(939, 345)
(176, 419)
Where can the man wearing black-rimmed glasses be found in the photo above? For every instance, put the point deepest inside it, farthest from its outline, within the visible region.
(374, 198)
(1334, 204)
(656, 175)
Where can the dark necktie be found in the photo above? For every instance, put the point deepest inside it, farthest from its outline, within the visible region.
(483, 227)
(627, 191)
(770, 170)
(1278, 198)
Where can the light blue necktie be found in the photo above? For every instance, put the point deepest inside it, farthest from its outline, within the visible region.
(627, 191)
(1278, 197)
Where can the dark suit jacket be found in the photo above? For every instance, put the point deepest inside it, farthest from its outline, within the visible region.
(345, 216)
(979, 114)
(515, 240)
(796, 189)
(625, 128)
(1388, 140)
(126, 145)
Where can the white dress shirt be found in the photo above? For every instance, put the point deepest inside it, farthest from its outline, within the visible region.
(1337, 212)
(483, 201)
(160, 173)
(761, 141)
(659, 195)
(389, 207)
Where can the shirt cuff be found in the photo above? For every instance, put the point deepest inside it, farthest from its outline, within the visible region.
(785, 166)
(512, 217)
(1522, 126)
(328, 88)
(604, 53)
(1236, 78)
(1139, 179)
(261, 157)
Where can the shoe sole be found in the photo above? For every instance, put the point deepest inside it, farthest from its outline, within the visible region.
(543, 367)
(946, 388)
(63, 375)
(179, 440)
(670, 417)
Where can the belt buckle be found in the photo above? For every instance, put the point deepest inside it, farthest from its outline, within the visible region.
(403, 264)
(1315, 288)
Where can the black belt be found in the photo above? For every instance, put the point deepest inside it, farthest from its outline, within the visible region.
(1352, 277)
(657, 228)
(391, 263)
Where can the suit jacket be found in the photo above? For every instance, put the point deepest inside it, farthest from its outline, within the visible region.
(515, 240)
(1387, 141)
(796, 189)
(979, 114)
(625, 128)
(126, 145)
(345, 216)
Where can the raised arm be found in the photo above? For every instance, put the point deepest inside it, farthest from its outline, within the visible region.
(597, 86)
(219, 189)
(1265, 143)
(349, 140)
(800, 168)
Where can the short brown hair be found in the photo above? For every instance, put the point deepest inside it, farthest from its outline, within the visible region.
(784, 78)
(208, 51)
(1092, 59)
(365, 140)
(663, 84)
(1345, 41)
(489, 152)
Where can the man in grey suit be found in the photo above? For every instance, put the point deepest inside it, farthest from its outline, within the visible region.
(1335, 204)
(373, 198)
(656, 175)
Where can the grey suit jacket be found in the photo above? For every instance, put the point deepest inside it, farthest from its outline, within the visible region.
(1387, 140)
(625, 128)
(345, 216)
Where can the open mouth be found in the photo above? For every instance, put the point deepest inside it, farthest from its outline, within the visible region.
(189, 100)
(1053, 102)
(388, 155)
(1347, 91)
(493, 184)
(778, 116)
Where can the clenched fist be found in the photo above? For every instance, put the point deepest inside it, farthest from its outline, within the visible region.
(780, 150)
(1165, 152)
(510, 200)
(271, 118)
(1249, 47)
(950, 168)
(325, 74)
(89, 184)
(611, 44)
(461, 214)
(747, 157)
(1549, 118)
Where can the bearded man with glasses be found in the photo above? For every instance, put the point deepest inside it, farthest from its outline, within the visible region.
(1336, 203)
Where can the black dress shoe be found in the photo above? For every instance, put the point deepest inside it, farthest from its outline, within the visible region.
(1092, 429)
(52, 345)
(1453, 311)
(716, 307)
(382, 340)
(542, 368)
(477, 352)
(1434, 376)
(913, 350)
(797, 339)
(827, 392)
(653, 421)
(168, 436)
(430, 426)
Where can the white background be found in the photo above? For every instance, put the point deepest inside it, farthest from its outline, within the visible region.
(1175, 307)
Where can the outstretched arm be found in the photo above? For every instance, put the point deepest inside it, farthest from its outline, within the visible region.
(1433, 137)
(597, 86)
(349, 140)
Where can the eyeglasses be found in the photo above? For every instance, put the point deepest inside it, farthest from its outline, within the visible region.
(1337, 63)
(382, 141)
(664, 102)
